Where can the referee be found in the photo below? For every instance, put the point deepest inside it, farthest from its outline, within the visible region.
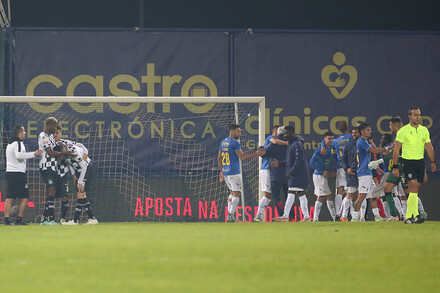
(413, 138)
(16, 179)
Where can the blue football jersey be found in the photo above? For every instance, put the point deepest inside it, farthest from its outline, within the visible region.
(319, 162)
(388, 161)
(363, 157)
(230, 160)
(338, 146)
(265, 160)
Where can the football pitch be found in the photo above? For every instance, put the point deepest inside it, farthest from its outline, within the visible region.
(221, 257)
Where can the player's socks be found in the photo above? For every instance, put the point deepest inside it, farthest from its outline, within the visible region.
(64, 208)
(230, 203)
(343, 204)
(46, 211)
(304, 203)
(50, 208)
(412, 210)
(376, 212)
(338, 203)
(398, 205)
(264, 202)
(391, 204)
(88, 208)
(234, 204)
(318, 206)
(386, 209)
(331, 209)
(363, 208)
(78, 209)
(346, 207)
(421, 207)
(355, 216)
(404, 207)
(289, 203)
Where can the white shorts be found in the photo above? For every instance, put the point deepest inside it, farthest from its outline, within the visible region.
(365, 183)
(321, 185)
(377, 191)
(265, 180)
(234, 182)
(395, 191)
(352, 189)
(341, 180)
(295, 189)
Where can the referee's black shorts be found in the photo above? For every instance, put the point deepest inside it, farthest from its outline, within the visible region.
(413, 169)
(17, 185)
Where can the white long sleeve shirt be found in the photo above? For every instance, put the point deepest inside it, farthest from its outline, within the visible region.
(15, 160)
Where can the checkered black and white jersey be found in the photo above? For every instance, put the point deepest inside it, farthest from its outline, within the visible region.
(62, 167)
(75, 143)
(45, 141)
(76, 147)
(74, 162)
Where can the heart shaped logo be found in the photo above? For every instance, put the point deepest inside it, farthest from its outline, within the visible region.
(338, 86)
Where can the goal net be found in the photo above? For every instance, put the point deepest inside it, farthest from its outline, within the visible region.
(154, 159)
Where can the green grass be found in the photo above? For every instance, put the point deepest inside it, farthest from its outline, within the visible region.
(220, 257)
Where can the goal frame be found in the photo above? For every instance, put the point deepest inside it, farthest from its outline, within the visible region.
(261, 101)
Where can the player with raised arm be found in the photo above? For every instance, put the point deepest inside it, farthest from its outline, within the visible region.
(278, 180)
(16, 178)
(82, 172)
(338, 145)
(63, 169)
(265, 175)
(378, 191)
(48, 167)
(296, 174)
(320, 161)
(349, 163)
(229, 156)
(413, 139)
(365, 175)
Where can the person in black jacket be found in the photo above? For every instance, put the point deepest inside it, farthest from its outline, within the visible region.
(296, 173)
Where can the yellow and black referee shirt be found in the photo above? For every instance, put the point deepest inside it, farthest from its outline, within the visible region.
(413, 141)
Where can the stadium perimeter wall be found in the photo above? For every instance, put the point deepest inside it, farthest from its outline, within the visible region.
(311, 80)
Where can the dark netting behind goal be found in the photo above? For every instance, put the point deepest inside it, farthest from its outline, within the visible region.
(152, 162)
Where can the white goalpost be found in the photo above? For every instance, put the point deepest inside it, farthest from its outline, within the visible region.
(155, 157)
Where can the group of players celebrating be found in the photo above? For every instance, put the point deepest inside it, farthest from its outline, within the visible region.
(58, 158)
(365, 173)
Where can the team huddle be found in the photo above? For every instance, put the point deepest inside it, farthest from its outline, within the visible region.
(386, 176)
(58, 157)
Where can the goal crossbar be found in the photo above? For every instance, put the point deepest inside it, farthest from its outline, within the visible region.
(94, 99)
